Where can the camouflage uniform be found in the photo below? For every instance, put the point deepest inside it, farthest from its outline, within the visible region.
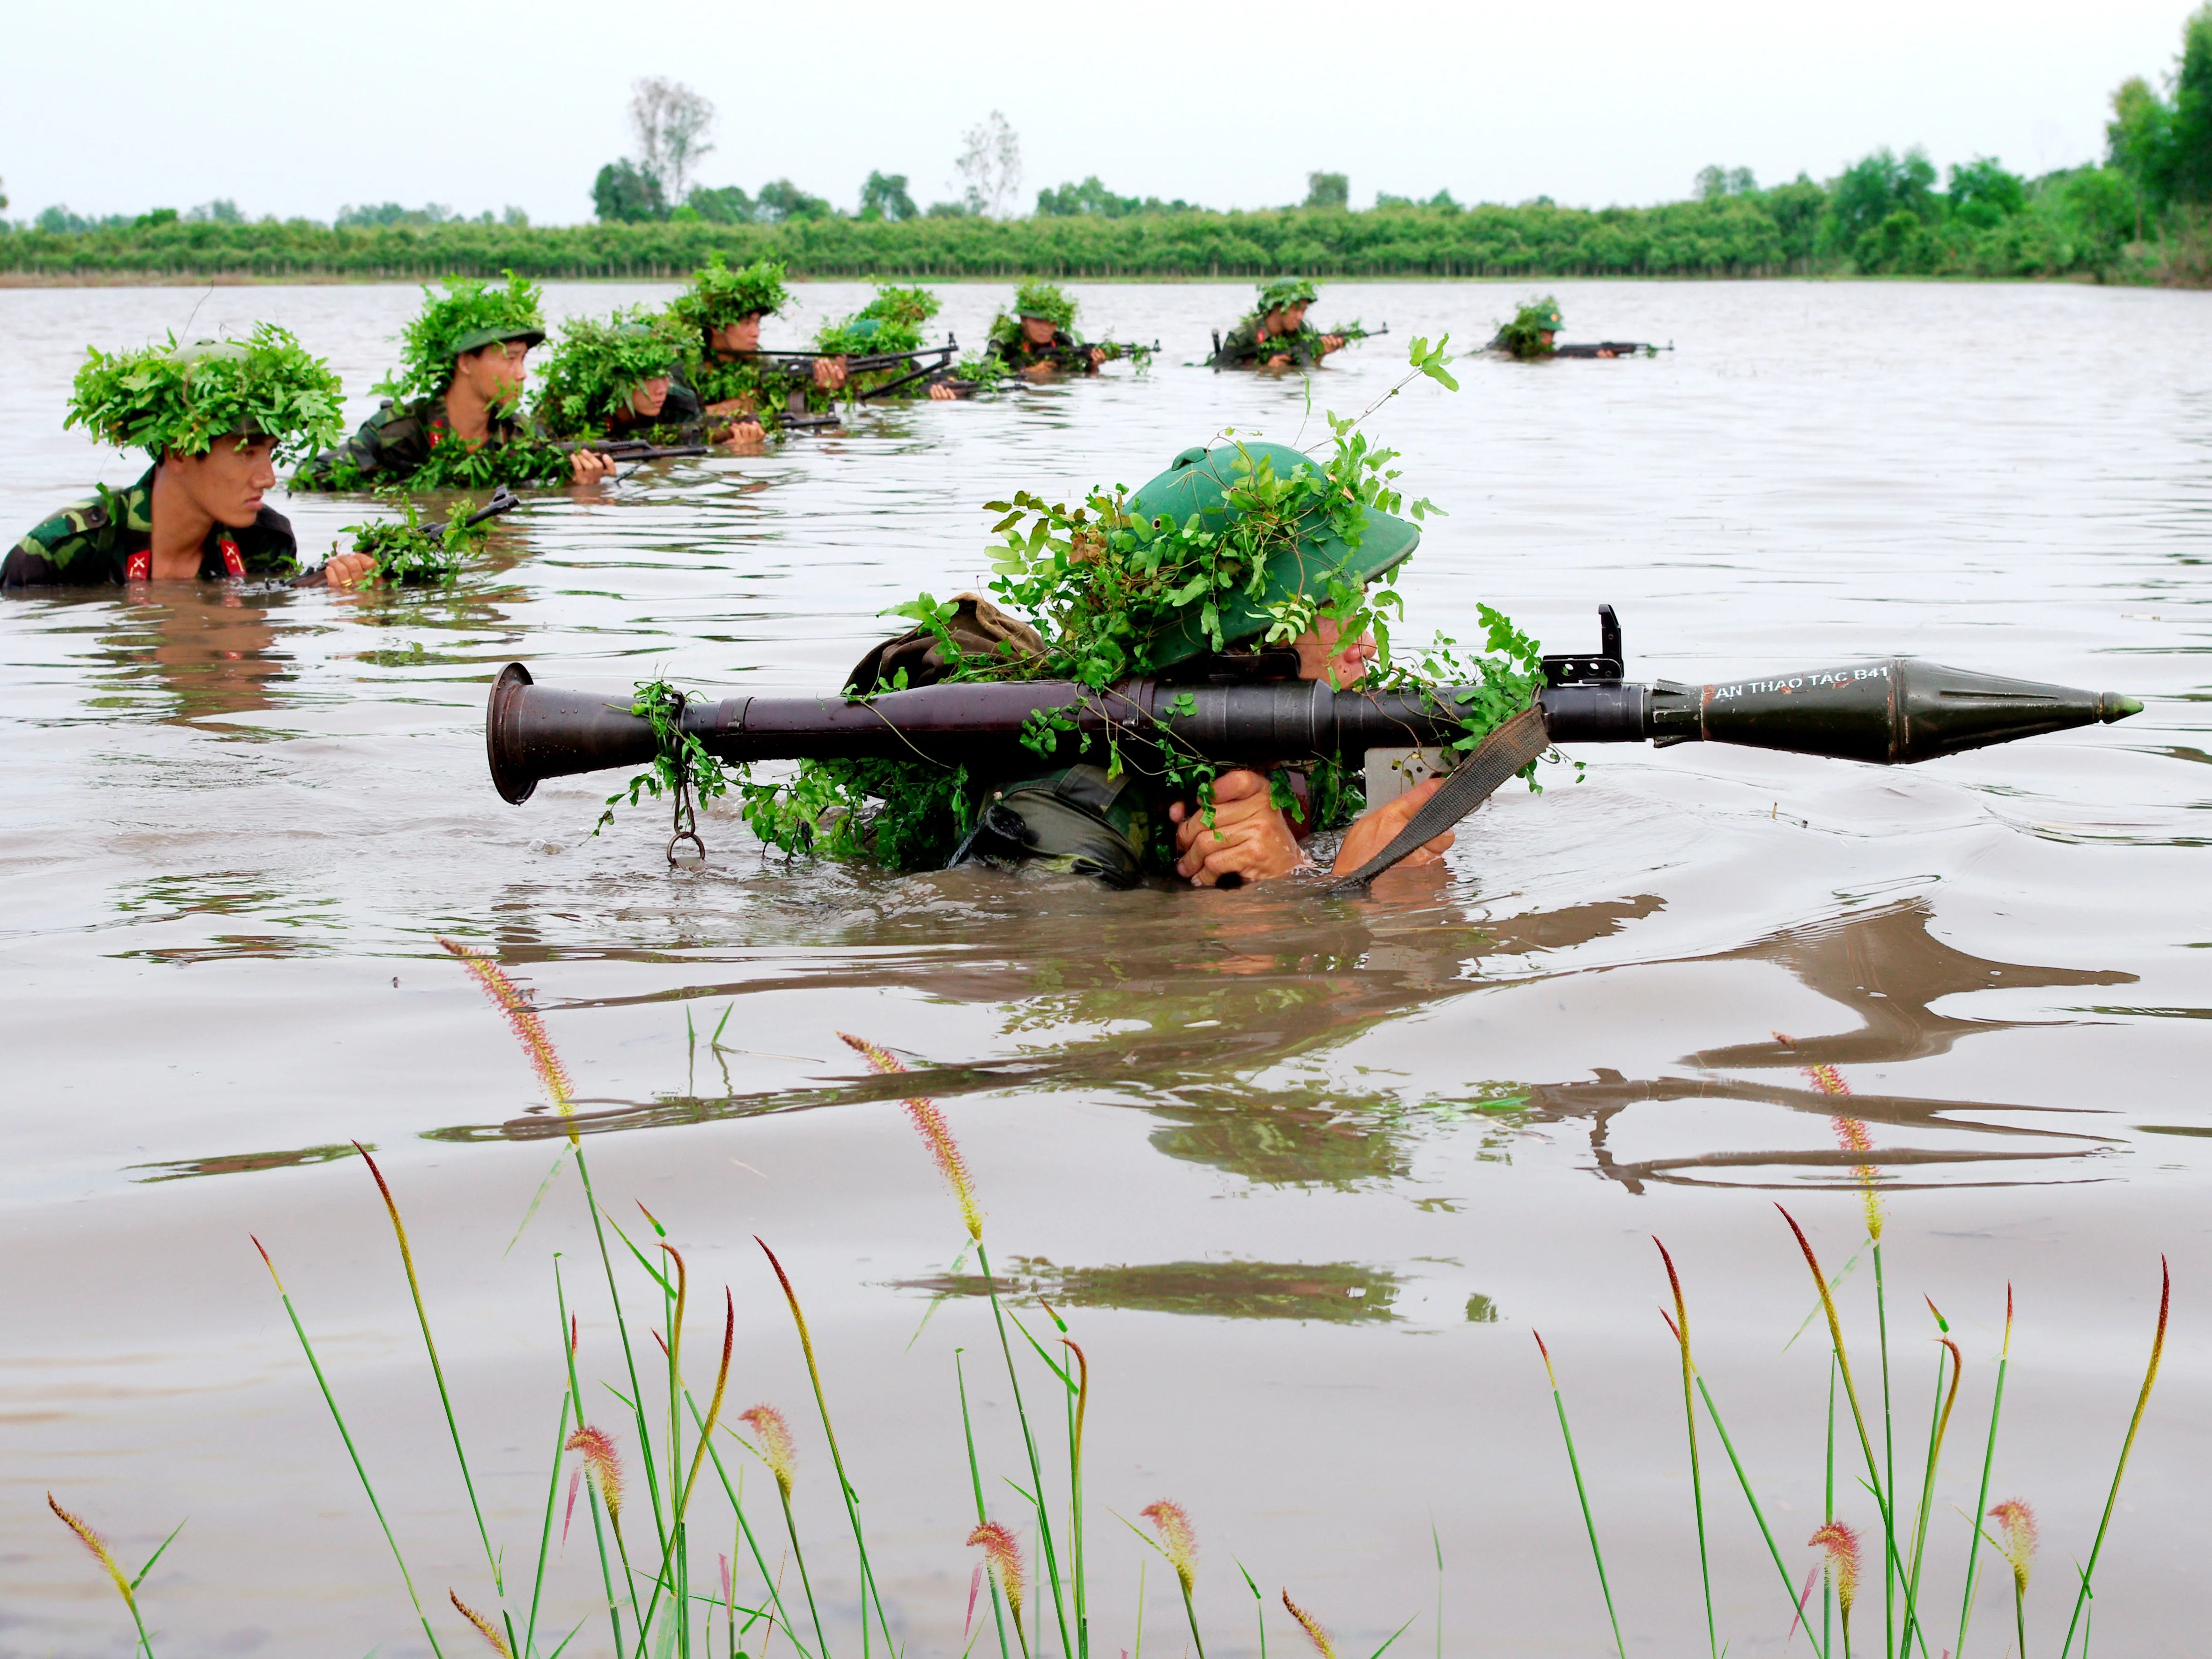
(1241, 347)
(394, 442)
(109, 537)
(1063, 352)
(768, 380)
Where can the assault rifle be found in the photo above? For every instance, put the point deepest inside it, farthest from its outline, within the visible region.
(1611, 348)
(1348, 333)
(1887, 711)
(503, 500)
(633, 449)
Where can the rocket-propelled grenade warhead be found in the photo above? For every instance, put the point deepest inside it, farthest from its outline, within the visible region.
(1891, 711)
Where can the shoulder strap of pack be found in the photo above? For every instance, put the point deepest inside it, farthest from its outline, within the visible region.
(1513, 745)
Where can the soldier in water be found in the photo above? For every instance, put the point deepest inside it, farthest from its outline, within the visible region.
(215, 417)
(1274, 334)
(456, 395)
(734, 380)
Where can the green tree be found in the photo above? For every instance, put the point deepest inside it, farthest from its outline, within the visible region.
(782, 199)
(2138, 144)
(2189, 145)
(1873, 188)
(729, 205)
(627, 194)
(885, 196)
(1329, 189)
(1796, 208)
(1984, 195)
(1714, 182)
(1091, 196)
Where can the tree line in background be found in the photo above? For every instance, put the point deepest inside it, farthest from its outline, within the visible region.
(2143, 214)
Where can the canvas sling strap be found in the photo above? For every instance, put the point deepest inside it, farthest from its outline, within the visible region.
(1474, 780)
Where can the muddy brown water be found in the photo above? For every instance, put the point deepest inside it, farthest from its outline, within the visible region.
(1302, 1175)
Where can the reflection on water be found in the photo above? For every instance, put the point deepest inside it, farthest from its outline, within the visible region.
(1338, 1292)
(191, 652)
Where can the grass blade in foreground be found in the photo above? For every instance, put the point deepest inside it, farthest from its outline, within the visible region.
(2142, 1400)
(1680, 1325)
(346, 1434)
(1982, 1499)
(1581, 1493)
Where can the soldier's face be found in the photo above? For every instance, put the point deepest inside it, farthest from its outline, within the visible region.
(1324, 653)
(1039, 331)
(228, 482)
(494, 374)
(649, 397)
(735, 339)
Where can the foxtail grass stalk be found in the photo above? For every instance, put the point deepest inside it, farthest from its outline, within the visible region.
(976, 1479)
(1582, 1494)
(1881, 1492)
(437, 1372)
(675, 1572)
(1179, 1543)
(1075, 1499)
(869, 1591)
(568, 1339)
(546, 1533)
(734, 1492)
(346, 1434)
(1681, 1327)
(1890, 1573)
(1743, 1478)
(1982, 1497)
(2135, 1423)
(1028, 1442)
(124, 1587)
(1828, 1516)
(1938, 1423)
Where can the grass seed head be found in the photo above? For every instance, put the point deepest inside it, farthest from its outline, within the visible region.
(528, 1030)
(1842, 1544)
(600, 1456)
(776, 1449)
(1319, 1636)
(485, 1626)
(1004, 1555)
(2017, 1522)
(935, 1132)
(1178, 1542)
(93, 1541)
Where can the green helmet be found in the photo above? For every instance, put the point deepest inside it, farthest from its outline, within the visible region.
(1046, 301)
(468, 316)
(1200, 480)
(1285, 291)
(185, 398)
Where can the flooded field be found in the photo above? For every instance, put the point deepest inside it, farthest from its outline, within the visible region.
(1302, 1175)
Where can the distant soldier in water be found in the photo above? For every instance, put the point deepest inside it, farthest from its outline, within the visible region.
(1533, 333)
(215, 417)
(734, 380)
(1274, 334)
(620, 379)
(454, 403)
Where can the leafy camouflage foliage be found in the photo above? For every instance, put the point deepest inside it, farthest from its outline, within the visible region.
(719, 296)
(166, 397)
(597, 364)
(468, 310)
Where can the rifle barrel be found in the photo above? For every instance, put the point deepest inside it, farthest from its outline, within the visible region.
(1898, 710)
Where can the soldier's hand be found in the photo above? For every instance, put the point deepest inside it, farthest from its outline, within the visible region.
(1373, 831)
(729, 406)
(1249, 839)
(1097, 356)
(747, 435)
(346, 569)
(1331, 343)
(1280, 359)
(941, 393)
(589, 467)
(829, 374)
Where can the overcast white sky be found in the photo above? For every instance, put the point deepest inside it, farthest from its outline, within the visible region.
(115, 106)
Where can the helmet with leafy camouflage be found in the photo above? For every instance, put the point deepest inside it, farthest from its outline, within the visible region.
(597, 364)
(1524, 337)
(184, 399)
(1210, 483)
(719, 296)
(1046, 301)
(1285, 291)
(468, 316)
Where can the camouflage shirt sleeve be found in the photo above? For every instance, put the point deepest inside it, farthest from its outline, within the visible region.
(390, 444)
(1241, 344)
(76, 548)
